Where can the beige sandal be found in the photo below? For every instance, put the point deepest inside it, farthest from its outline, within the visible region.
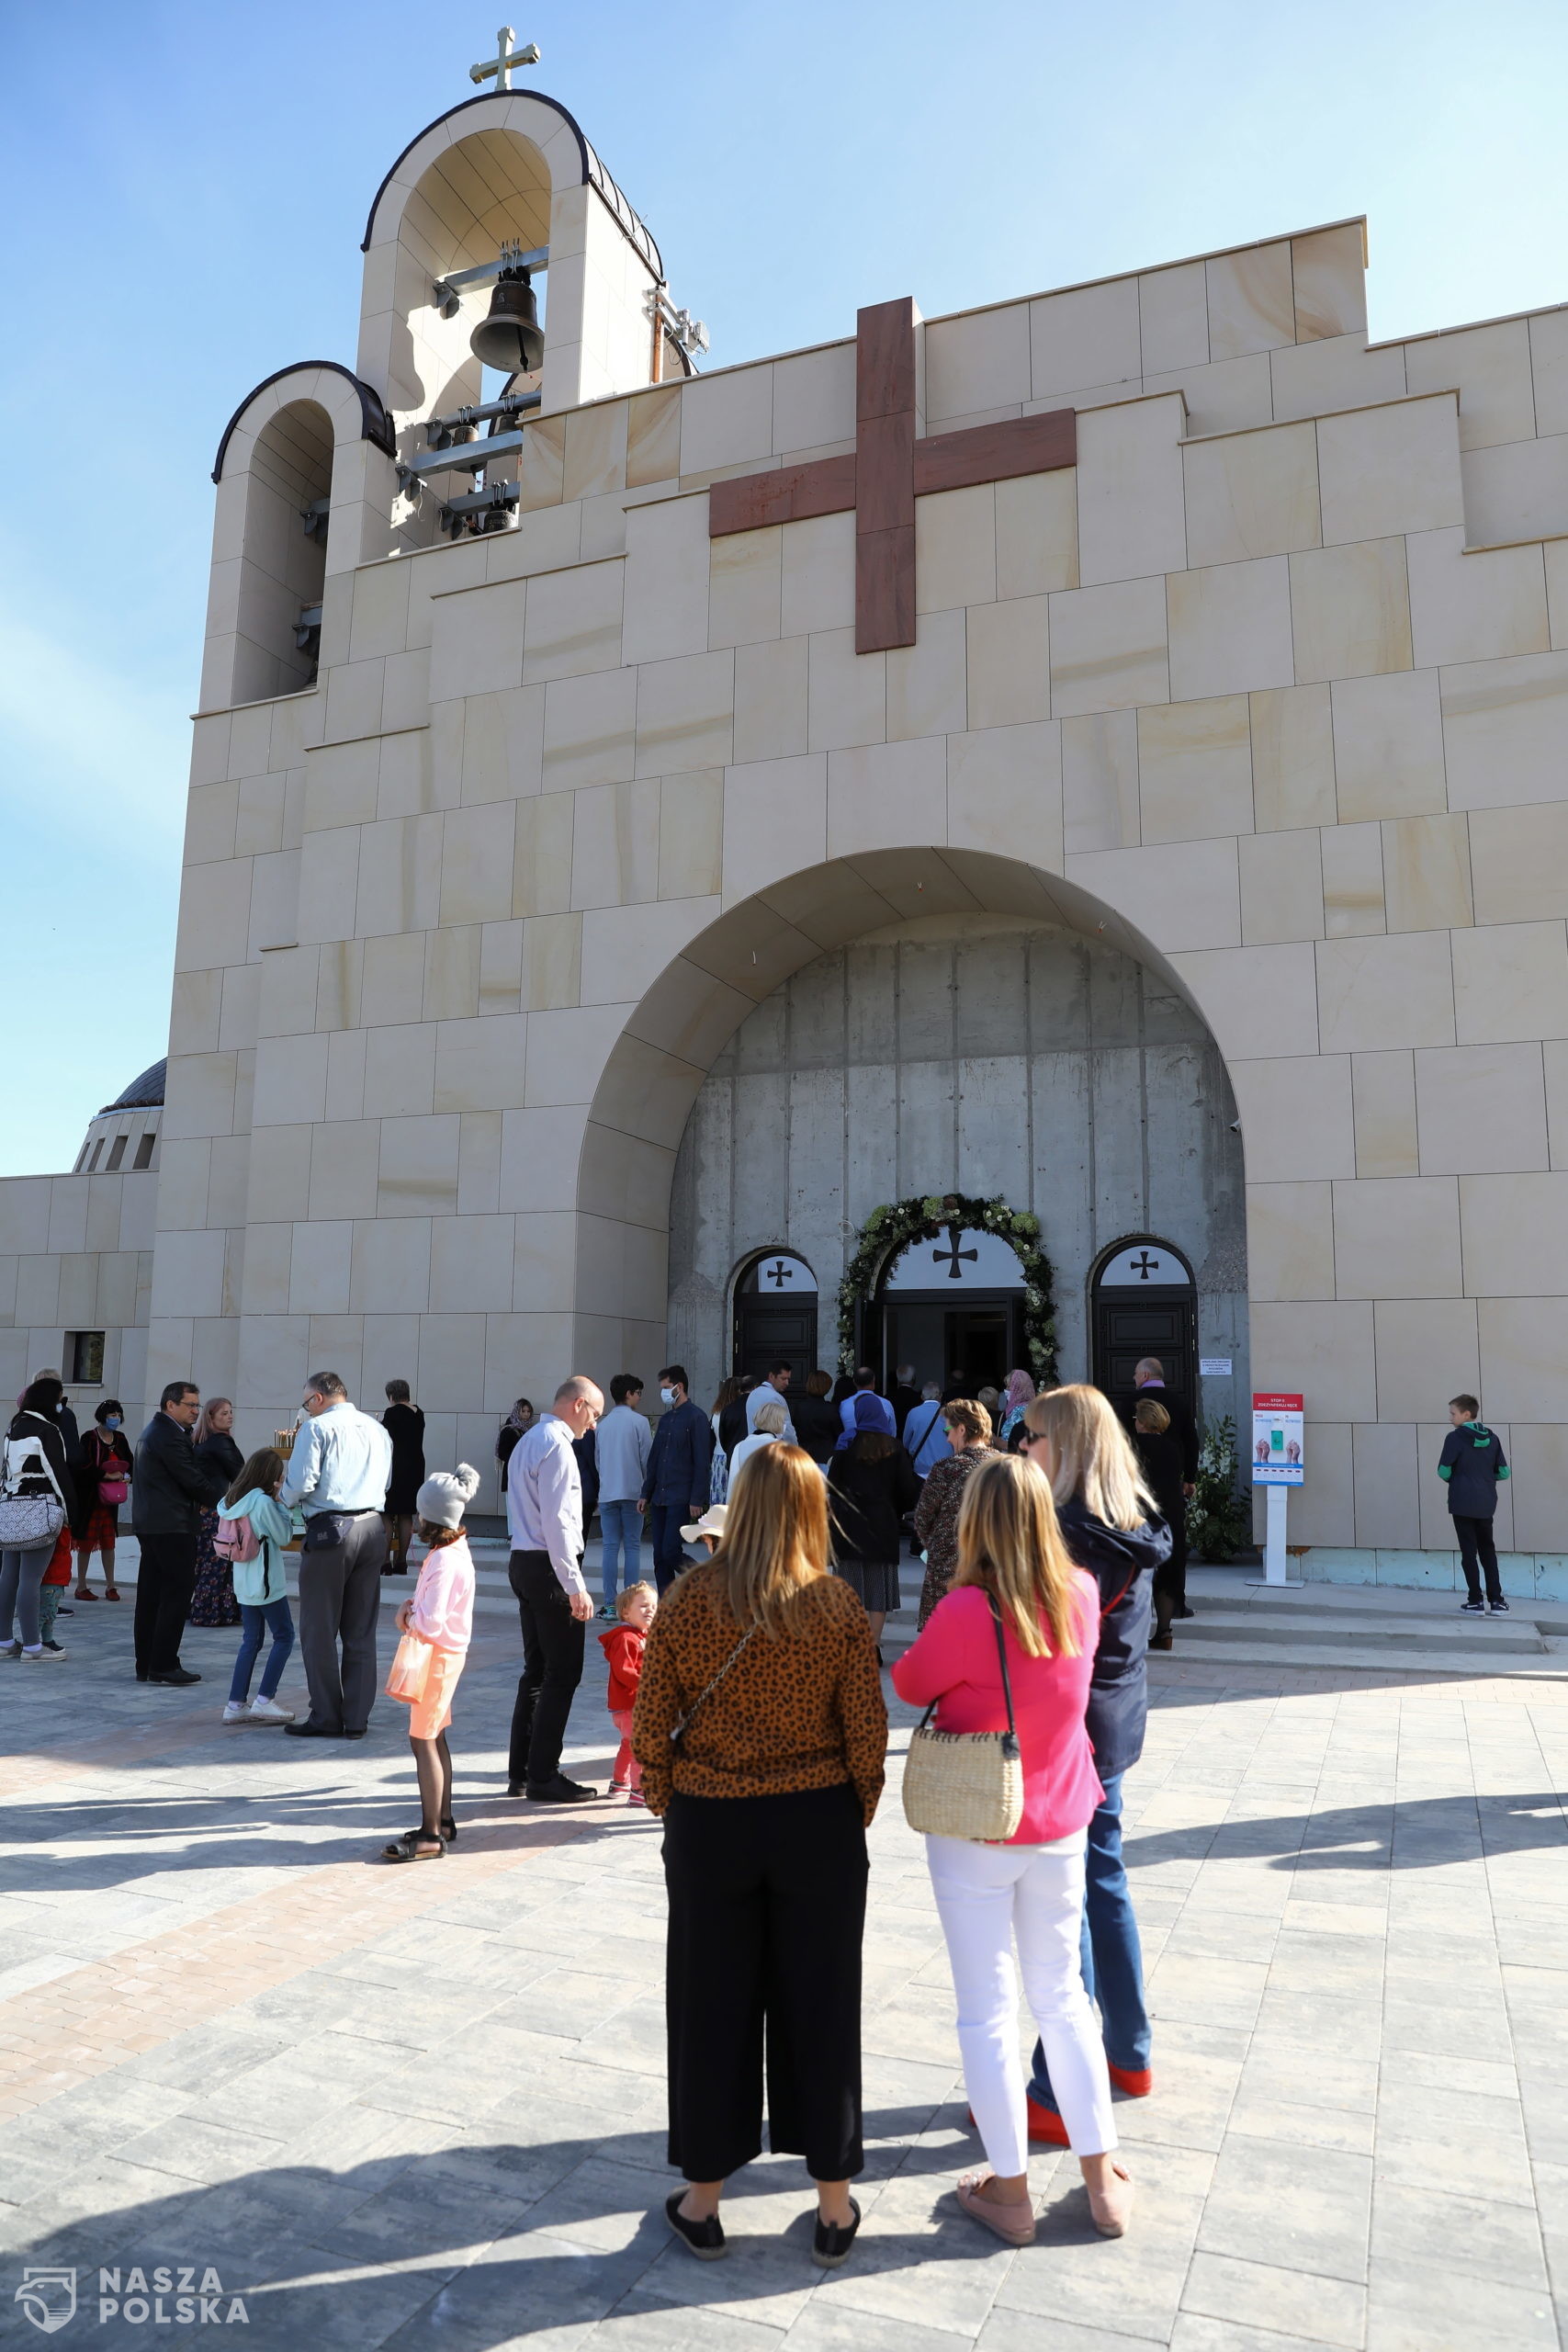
(1013, 2222)
(1111, 2215)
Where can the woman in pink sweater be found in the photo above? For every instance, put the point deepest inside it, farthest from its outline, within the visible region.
(441, 1613)
(1012, 1564)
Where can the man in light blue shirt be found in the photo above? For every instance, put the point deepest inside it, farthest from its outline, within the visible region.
(925, 1431)
(623, 1439)
(338, 1474)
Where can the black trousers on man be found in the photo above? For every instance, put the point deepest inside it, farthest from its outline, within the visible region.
(767, 1912)
(1478, 1551)
(553, 1642)
(166, 1580)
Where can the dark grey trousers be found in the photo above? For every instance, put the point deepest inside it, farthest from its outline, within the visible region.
(340, 1593)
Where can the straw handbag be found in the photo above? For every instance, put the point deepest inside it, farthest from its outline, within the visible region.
(966, 1783)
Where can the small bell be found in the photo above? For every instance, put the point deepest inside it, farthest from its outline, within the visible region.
(510, 338)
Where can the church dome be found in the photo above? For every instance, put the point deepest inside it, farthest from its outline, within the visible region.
(143, 1094)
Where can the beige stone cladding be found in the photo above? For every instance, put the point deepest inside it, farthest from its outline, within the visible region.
(1270, 690)
(77, 1256)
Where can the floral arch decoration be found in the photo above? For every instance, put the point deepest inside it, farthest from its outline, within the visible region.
(888, 1232)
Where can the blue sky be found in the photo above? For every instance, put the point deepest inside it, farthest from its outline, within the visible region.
(184, 188)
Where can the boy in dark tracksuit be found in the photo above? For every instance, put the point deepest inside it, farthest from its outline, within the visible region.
(1472, 1466)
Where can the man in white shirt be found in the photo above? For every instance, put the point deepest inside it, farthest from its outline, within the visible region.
(338, 1474)
(544, 1518)
(771, 1391)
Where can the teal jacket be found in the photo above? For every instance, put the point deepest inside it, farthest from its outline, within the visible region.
(259, 1582)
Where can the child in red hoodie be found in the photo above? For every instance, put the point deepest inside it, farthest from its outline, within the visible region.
(623, 1645)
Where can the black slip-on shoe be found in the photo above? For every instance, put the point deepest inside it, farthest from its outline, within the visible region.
(354, 1734)
(177, 1677)
(832, 2242)
(310, 1731)
(705, 2239)
(561, 1790)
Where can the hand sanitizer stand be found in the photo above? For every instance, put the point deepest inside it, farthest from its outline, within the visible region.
(1277, 1464)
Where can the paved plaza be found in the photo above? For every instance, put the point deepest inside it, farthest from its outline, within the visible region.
(424, 2106)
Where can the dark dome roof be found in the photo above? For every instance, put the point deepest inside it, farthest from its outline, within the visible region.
(143, 1094)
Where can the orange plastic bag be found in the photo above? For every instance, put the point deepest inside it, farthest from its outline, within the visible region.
(410, 1670)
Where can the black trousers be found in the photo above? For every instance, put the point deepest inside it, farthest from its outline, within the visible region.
(767, 1912)
(1170, 1577)
(553, 1641)
(166, 1581)
(1478, 1551)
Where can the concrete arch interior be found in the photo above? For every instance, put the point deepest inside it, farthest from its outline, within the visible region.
(995, 1032)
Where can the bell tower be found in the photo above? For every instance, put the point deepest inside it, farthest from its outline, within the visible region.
(500, 202)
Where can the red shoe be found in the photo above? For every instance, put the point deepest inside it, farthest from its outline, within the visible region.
(1046, 2128)
(1135, 2082)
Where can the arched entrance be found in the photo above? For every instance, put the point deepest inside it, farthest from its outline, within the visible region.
(906, 1023)
(1144, 1303)
(953, 1309)
(776, 1315)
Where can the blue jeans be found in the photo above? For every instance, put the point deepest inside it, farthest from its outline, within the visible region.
(276, 1619)
(621, 1526)
(1112, 1959)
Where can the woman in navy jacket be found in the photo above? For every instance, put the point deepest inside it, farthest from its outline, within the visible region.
(1111, 1528)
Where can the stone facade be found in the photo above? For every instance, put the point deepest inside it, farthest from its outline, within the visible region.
(1268, 693)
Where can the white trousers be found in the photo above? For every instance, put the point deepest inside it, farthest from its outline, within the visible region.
(987, 1895)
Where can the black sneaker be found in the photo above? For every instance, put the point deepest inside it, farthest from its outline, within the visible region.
(561, 1790)
(1473, 1609)
(1499, 1608)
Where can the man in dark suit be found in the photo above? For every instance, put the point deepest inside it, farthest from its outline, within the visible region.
(675, 1486)
(906, 1395)
(171, 1488)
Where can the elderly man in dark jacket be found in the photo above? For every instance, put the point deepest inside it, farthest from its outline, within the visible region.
(168, 1494)
(675, 1484)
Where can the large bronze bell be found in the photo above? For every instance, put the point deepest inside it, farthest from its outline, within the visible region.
(510, 338)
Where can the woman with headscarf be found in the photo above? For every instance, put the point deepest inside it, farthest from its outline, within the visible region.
(518, 1422)
(870, 1484)
(213, 1602)
(1016, 1397)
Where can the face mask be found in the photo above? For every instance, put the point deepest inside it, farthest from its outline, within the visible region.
(111, 1420)
(61, 1406)
(667, 1395)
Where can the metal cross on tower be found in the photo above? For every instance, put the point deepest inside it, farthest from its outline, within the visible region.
(951, 1254)
(1144, 1266)
(778, 1274)
(506, 57)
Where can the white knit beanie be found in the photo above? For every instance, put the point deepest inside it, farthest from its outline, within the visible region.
(443, 1496)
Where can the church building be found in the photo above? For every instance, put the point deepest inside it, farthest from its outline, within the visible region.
(1028, 837)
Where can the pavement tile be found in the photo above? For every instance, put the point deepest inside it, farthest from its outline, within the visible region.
(1294, 2302)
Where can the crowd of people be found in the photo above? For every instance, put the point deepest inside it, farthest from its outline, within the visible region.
(746, 1690)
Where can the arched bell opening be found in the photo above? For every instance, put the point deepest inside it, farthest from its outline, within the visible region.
(283, 559)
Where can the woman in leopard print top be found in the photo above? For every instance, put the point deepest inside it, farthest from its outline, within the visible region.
(766, 1794)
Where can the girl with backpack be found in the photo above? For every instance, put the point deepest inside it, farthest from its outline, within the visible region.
(253, 1529)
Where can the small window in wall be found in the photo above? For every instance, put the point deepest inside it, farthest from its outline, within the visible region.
(97, 1148)
(85, 1354)
(144, 1151)
(116, 1153)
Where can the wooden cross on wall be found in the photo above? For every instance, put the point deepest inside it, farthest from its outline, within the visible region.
(888, 471)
